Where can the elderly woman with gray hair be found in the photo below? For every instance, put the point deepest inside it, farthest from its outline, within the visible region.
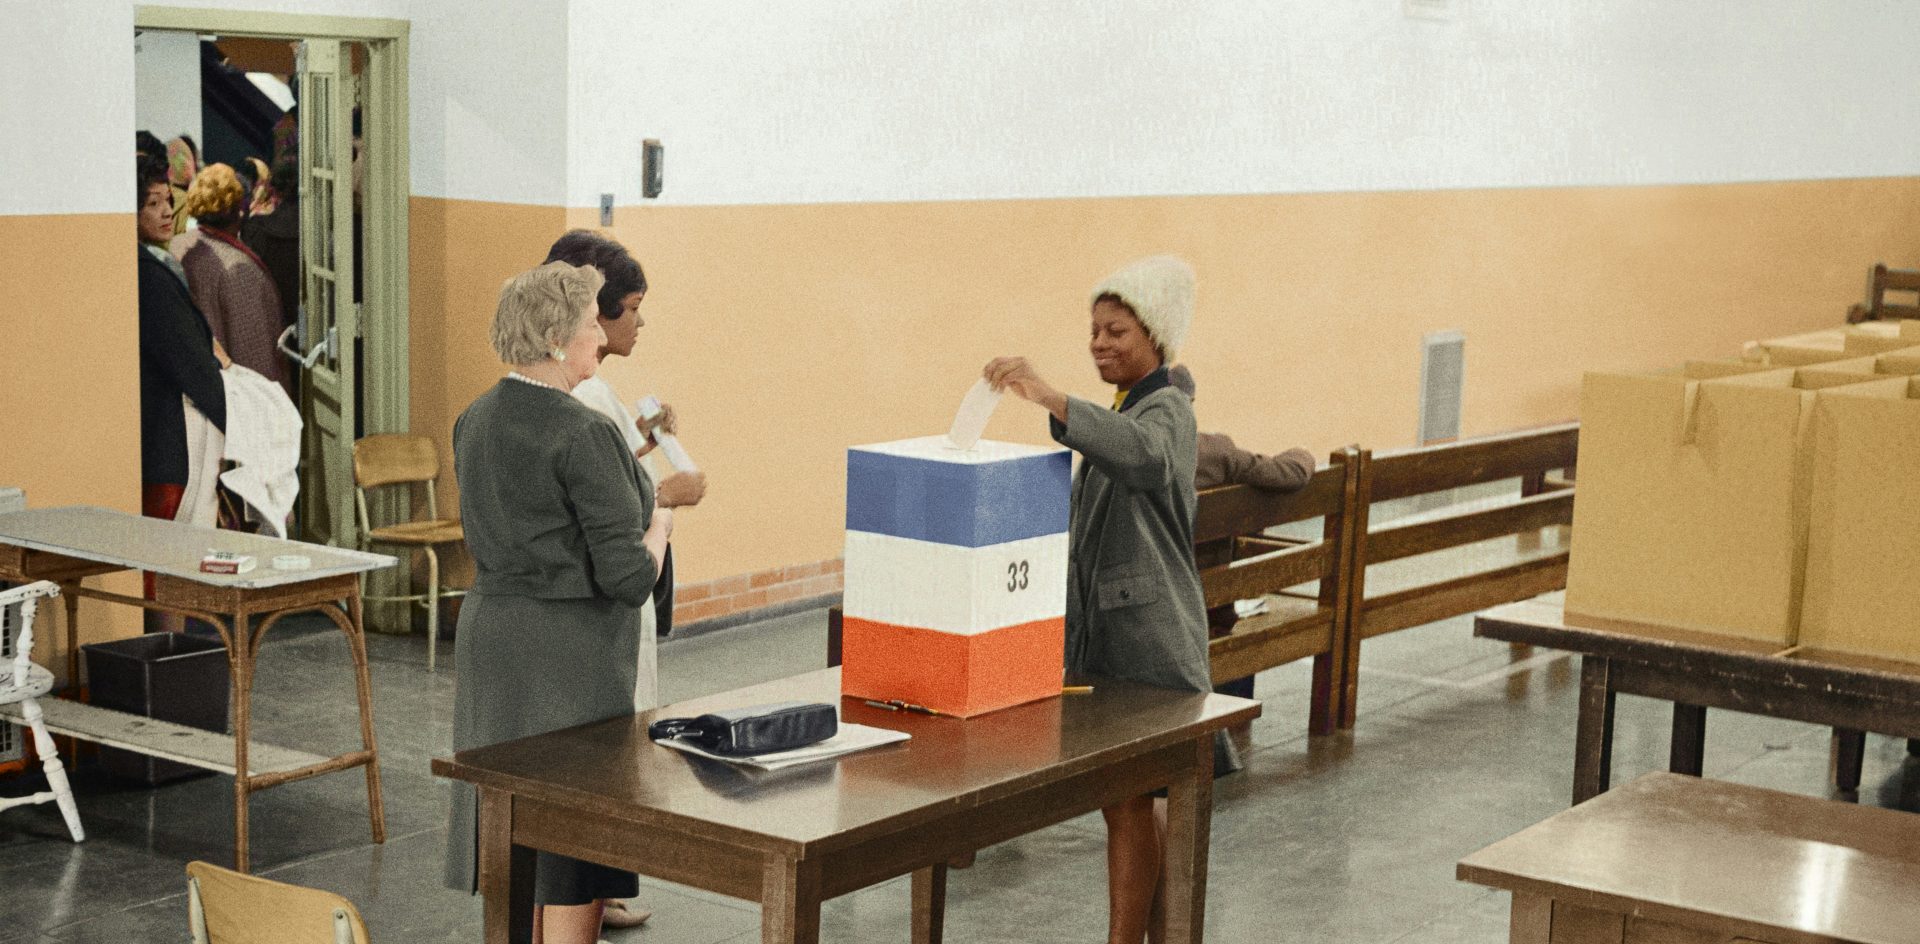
(566, 545)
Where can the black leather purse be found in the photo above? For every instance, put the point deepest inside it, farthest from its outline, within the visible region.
(753, 730)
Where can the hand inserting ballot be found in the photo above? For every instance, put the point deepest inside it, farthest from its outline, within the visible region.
(1016, 375)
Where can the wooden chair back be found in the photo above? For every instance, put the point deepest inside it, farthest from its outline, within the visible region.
(393, 459)
(1881, 281)
(224, 905)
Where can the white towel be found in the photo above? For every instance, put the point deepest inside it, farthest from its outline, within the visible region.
(205, 445)
(263, 442)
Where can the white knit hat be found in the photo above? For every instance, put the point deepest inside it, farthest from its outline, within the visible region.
(1159, 289)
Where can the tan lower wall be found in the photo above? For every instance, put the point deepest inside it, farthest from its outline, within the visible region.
(784, 334)
(70, 383)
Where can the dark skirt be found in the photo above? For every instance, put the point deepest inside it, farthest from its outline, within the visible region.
(527, 667)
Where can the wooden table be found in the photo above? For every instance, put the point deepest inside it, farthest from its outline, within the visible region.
(1669, 859)
(791, 839)
(65, 545)
(1697, 671)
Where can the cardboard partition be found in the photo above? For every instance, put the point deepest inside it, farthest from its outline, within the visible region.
(1691, 510)
(1862, 591)
(1883, 336)
(1905, 362)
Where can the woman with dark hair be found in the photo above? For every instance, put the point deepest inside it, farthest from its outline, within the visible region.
(229, 282)
(178, 355)
(272, 231)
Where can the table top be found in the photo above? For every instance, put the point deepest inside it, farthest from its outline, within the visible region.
(1676, 848)
(612, 768)
(173, 548)
(1544, 622)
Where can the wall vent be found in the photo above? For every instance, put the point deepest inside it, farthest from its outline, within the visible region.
(1443, 363)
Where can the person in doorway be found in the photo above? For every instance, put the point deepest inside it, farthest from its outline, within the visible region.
(1133, 502)
(619, 307)
(566, 543)
(272, 231)
(178, 355)
(229, 281)
(183, 164)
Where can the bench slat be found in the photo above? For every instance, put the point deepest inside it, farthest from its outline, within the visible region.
(1269, 639)
(1268, 573)
(1236, 510)
(1418, 606)
(1437, 468)
(1394, 542)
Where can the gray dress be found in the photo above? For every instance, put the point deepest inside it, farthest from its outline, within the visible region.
(554, 508)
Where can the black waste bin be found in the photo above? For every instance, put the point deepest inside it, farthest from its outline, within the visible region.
(166, 676)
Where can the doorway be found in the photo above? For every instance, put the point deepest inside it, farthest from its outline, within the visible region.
(346, 82)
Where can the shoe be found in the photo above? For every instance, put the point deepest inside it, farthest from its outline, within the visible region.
(620, 917)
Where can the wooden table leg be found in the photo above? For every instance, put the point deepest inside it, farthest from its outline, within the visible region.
(790, 902)
(1593, 733)
(1849, 754)
(929, 904)
(73, 634)
(1687, 755)
(1189, 824)
(506, 872)
(1532, 919)
(355, 628)
(240, 663)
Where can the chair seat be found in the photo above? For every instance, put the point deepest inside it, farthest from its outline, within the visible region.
(420, 533)
(39, 682)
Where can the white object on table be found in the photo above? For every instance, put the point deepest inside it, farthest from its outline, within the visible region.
(649, 407)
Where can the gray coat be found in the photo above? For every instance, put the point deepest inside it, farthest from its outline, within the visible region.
(1134, 607)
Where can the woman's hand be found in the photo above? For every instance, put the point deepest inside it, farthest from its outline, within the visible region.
(220, 354)
(681, 489)
(664, 421)
(657, 536)
(1016, 375)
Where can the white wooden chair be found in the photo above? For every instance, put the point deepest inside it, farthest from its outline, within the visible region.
(226, 907)
(22, 683)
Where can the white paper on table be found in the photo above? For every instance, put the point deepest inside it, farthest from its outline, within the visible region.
(850, 738)
(971, 419)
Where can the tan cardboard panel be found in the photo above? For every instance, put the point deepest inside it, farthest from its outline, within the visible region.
(1692, 504)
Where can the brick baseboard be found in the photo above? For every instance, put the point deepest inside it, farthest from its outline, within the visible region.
(743, 593)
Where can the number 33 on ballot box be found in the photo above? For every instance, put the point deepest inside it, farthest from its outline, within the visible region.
(956, 565)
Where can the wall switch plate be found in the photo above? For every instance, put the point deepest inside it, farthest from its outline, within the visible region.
(653, 170)
(606, 209)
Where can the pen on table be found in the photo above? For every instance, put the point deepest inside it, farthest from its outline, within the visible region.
(879, 704)
(1076, 689)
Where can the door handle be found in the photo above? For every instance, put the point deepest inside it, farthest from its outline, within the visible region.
(306, 360)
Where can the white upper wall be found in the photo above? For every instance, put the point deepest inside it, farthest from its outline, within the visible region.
(166, 85)
(546, 101)
(874, 100)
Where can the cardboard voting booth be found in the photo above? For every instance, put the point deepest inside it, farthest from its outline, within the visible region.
(1863, 538)
(956, 574)
(1692, 505)
(1832, 344)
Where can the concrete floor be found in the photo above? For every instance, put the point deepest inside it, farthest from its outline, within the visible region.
(1345, 839)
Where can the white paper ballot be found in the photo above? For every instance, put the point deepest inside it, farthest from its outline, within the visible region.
(971, 419)
(851, 738)
(648, 408)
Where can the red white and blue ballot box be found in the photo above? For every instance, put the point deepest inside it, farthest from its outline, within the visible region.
(956, 573)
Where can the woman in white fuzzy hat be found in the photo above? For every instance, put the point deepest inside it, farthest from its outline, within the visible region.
(1134, 606)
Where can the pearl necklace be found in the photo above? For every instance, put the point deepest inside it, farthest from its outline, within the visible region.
(523, 378)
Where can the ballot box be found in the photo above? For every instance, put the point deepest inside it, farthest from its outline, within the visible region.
(956, 573)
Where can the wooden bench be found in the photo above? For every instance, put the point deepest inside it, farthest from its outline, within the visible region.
(1482, 554)
(1239, 561)
(1671, 859)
